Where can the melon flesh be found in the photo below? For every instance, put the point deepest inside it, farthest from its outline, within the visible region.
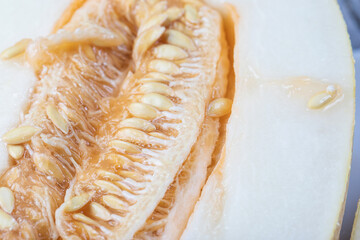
(285, 168)
(284, 171)
(21, 19)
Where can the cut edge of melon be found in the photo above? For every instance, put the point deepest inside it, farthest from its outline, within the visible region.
(337, 227)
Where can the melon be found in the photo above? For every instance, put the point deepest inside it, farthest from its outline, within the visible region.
(175, 119)
(18, 79)
(79, 70)
(285, 166)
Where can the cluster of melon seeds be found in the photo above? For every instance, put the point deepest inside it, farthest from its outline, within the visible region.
(171, 215)
(154, 127)
(80, 68)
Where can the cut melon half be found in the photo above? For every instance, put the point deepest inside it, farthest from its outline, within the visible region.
(283, 171)
(285, 166)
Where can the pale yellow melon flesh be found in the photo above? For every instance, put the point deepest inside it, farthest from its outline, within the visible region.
(285, 168)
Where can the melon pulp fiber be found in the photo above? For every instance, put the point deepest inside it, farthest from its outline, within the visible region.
(285, 167)
(139, 176)
(67, 105)
(284, 175)
(21, 19)
(121, 171)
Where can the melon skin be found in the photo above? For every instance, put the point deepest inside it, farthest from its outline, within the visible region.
(285, 169)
